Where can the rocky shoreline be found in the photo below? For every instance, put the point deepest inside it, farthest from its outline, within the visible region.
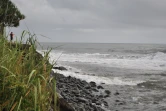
(81, 95)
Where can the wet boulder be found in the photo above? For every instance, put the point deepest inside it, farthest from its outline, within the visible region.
(60, 68)
(92, 84)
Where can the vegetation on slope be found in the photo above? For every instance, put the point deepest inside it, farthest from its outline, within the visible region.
(25, 77)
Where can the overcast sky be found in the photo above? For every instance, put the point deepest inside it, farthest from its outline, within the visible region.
(108, 21)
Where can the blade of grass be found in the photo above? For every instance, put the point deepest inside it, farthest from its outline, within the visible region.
(3, 67)
(18, 108)
(13, 106)
(35, 97)
(30, 76)
(55, 95)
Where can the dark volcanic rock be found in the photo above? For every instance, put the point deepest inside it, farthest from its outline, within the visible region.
(117, 101)
(121, 103)
(78, 86)
(107, 92)
(101, 96)
(105, 103)
(64, 106)
(83, 82)
(87, 87)
(82, 95)
(98, 103)
(94, 100)
(66, 91)
(100, 87)
(75, 91)
(82, 100)
(116, 93)
(92, 84)
(60, 68)
(95, 90)
(86, 92)
(105, 96)
(155, 102)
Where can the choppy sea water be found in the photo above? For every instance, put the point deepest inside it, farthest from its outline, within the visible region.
(137, 71)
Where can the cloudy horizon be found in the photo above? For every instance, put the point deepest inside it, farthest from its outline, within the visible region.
(94, 21)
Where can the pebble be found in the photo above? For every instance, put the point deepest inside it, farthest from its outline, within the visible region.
(82, 95)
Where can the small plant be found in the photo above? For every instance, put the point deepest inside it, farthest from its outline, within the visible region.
(25, 77)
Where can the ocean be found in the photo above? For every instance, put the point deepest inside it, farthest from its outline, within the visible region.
(136, 71)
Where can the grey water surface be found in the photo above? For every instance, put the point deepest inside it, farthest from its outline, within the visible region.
(136, 71)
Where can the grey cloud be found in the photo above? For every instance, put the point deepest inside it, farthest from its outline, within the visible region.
(96, 20)
(119, 13)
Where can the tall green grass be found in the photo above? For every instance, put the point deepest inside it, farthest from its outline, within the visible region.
(25, 83)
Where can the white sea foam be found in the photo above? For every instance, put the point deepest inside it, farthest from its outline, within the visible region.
(154, 61)
(99, 80)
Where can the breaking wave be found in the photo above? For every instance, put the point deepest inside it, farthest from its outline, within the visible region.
(153, 61)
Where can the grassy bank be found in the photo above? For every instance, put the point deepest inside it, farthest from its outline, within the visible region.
(25, 83)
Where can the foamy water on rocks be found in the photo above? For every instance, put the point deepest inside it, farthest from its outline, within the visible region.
(136, 71)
